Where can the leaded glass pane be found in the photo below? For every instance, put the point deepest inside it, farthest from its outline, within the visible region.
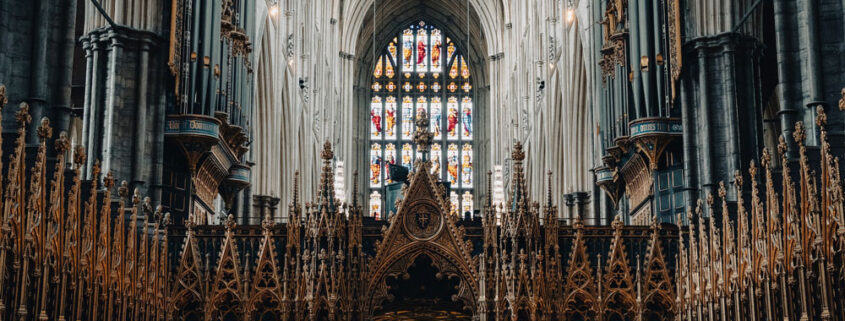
(466, 166)
(422, 50)
(466, 118)
(407, 117)
(407, 50)
(453, 164)
(375, 118)
(390, 118)
(452, 119)
(375, 165)
(436, 116)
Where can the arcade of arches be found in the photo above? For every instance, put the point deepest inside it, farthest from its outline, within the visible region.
(422, 160)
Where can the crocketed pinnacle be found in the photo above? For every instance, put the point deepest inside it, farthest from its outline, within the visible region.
(326, 193)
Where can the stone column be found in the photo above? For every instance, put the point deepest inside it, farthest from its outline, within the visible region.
(569, 213)
(582, 202)
(273, 205)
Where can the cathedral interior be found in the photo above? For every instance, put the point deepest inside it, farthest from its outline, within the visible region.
(204, 160)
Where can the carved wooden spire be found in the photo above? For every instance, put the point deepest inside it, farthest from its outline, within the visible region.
(326, 197)
(619, 298)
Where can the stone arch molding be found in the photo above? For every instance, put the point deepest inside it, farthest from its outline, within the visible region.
(422, 226)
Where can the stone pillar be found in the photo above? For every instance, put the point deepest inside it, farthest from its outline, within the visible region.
(582, 202)
(273, 203)
(259, 207)
(569, 213)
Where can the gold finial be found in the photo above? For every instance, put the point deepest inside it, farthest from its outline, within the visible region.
(78, 156)
(230, 222)
(518, 154)
(752, 169)
(722, 190)
(327, 153)
(95, 170)
(267, 223)
(781, 146)
(22, 116)
(108, 182)
(166, 220)
(190, 224)
(136, 197)
(123, 189)
(62, 143)
(4, 100)
(766, 159)
(799, 132)
(821, 117)
(44, 131)
(710, 199)
(157, 212)
(842, 100)
(617, 222)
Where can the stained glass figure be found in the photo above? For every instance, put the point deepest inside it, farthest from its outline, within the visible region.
(422, 50)
(452, 164)
(466, 166)
(390, 118)
(375, 165)
(389, 159)
(436, 156)
(407, 50)
(408, 156)
(452, 118)
(436, 116)
(375, 118)
(378, 71)
(466, 204)
(466, 118)
(436, 43)
(407, 117)
(422, 106)
(454, 201)
(375, 205)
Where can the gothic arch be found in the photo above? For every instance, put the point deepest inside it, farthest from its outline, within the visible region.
(422, 226)
(445, 262)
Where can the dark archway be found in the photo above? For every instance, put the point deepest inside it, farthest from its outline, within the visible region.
(422, 293)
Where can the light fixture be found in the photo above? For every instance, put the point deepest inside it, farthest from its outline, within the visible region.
(274, 10)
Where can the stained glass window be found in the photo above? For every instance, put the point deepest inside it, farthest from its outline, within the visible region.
(375, 204)
(375, 165)
(429, 81)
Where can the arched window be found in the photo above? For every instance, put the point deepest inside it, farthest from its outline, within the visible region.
(422, 70)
